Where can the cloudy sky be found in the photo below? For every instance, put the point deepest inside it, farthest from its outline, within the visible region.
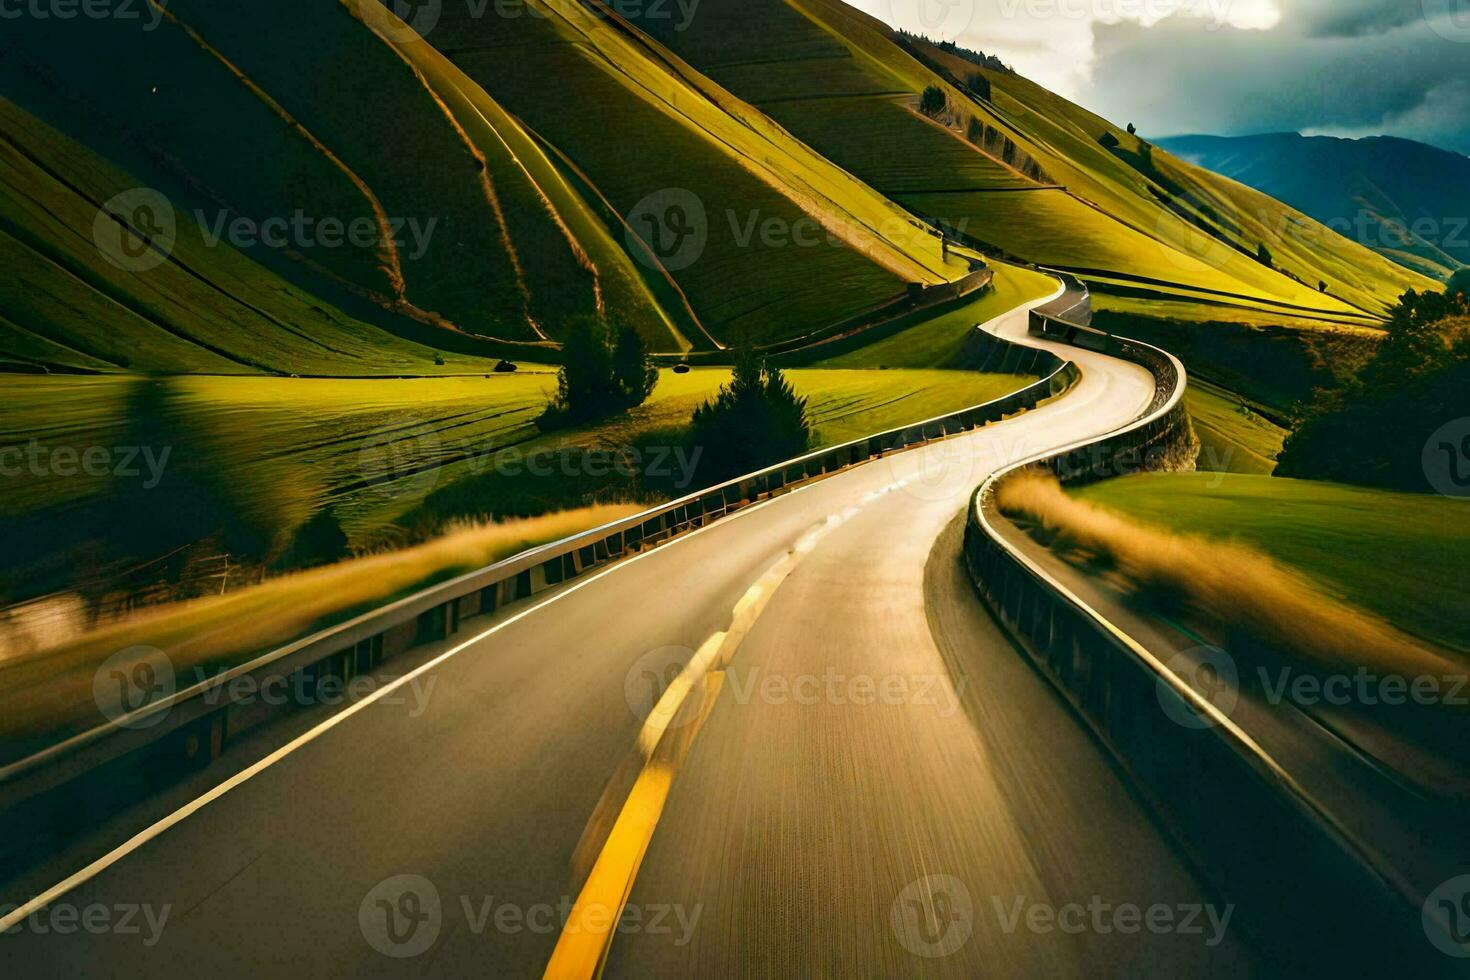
(1337, 67)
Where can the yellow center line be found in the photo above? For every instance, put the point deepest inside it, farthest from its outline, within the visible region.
(586, 938)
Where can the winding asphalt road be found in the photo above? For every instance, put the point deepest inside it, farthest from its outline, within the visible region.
(851, 773)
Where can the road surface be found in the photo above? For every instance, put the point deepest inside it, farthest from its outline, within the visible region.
(853, 774)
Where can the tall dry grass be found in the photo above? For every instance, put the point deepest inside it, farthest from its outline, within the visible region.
(1234, 586)
(50, 688)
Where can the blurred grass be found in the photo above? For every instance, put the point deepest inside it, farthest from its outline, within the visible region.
(48, 691)
(1400, 556)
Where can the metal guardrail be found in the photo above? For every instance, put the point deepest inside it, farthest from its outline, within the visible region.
(1285, 851)
(194, 725)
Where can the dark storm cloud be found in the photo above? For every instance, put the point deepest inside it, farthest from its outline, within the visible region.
(1350, 67)
(1348, 18)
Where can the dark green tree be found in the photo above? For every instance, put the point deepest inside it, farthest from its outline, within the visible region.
(1459, 284)
(933, 101)
(604, 370)
(755, 420)
(979, 85)
(1264, 256)
(634, 372)
(1374, 429)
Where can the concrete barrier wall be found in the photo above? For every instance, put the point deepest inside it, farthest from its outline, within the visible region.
(1326, 900)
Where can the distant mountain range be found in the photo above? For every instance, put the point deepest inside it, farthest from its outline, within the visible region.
(1406, 200)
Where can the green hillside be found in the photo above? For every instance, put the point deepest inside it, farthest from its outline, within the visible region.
(1023, 172)
(494, 205)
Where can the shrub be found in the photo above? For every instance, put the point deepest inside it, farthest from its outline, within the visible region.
(605, 369)
(1108, 140)
(979, 85)
(755, 420)
(1263, 256)
(933, 101)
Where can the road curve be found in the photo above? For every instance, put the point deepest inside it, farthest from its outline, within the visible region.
(863, 777)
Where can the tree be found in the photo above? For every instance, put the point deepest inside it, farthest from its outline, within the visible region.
(979, 85)
(604, 370)
(755, 420)
(1321, 285)
(1263, 255)
(1374, 430)
(320, 541)
(975, 131)
(634, 373)
(1459, 284)
(933, 101)
(1132, 129)
(1108, 140)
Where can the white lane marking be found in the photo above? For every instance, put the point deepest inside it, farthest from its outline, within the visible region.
(166, 823)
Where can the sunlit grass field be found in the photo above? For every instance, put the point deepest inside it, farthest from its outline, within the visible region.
(939, 341)
(1234, 436)
(375, 449)
(1401, 556)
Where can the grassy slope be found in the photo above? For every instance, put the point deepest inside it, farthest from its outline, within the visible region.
(230, 117)
(833, 75)
(1234, 436)
(1242, 217)
(567, 74)
(939, 341)
(1401, 556)
(207, 309)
